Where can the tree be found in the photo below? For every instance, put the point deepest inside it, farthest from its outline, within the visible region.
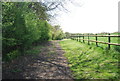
(22, 26)
(25, 23)
(57, 33)
(67, 35)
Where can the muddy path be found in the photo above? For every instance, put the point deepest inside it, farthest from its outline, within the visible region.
(48, 64)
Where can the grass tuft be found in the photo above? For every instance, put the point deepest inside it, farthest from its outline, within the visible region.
(90, 62)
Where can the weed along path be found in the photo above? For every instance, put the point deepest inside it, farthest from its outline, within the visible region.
(48, 64)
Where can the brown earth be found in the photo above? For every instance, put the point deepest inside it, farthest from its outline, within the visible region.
(48, 64)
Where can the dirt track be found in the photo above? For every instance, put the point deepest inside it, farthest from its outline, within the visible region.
(49, 64)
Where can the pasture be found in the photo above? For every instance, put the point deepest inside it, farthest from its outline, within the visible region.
(89, 61)
(114, 40)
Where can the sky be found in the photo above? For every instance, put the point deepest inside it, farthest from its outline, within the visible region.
(90, 16)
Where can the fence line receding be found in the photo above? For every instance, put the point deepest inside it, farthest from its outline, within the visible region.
(80, 37)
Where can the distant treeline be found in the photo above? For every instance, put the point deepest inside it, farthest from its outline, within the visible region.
(24, 24)
(67, 34)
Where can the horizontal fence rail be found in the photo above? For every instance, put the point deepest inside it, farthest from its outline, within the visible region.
(97, 35)
(78, 38)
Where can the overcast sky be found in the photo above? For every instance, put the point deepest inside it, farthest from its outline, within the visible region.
(90, 16)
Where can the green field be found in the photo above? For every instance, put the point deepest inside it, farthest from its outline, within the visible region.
(89, 61)
(103, 39)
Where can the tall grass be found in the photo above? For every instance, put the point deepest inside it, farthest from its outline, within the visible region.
(89, 61)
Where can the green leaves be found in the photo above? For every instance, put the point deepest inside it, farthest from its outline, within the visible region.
(23, 26)
(57, 33)
(25, 23)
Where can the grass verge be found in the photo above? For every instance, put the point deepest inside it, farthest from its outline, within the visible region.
(90, 62)
(34, 50)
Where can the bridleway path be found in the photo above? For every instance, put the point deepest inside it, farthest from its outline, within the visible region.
(50, 63)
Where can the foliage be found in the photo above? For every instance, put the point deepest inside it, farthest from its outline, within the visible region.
(24, 23)
(67, 35)
(57, 33)
(90, 62)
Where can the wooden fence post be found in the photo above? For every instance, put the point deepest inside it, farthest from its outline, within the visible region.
(109, 41)
(83, 38)
(73, 36)
(88, 40)
(76, 37)
(96, 39)
(79, 38)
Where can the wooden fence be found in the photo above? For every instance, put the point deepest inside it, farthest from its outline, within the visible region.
(79, 36)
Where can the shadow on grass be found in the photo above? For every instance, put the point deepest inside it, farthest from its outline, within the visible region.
(37, 66)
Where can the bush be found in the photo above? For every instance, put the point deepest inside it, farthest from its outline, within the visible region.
(22, 27)
(12, 55)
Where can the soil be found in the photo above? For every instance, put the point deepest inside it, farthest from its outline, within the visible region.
(50, 63)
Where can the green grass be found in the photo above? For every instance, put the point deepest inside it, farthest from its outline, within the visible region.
(34, 50)
(90, 62)
(103, 39)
